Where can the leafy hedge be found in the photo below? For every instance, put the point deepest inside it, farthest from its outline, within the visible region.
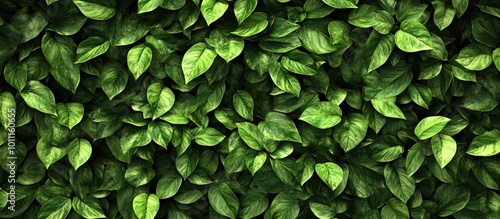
(246, 108)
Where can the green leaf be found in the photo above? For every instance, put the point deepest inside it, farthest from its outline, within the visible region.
(197, 60)
(188, 15)
(430, 126)
(451, 199)
(284, 80)
(138, 173)
(227, 47)
(415, 158)
(243, 9)
(322, 115)
(30, 25)
(315, 41)
(168, 185)
(283, 169)
(388, 154)
(253, 25)
(138, 59)
(212, 10)
(395, 209)
(223, 200)
(16, 74)
(470, 100)
(160, 98)
(146, 206)
(172, 4)
(429, 69)
(420, 94)
(79, 151)
(255, 163)
(253, 203)
(97, 9)
(279, 127)
(90, 48)
(485, 145)
(460, 6)
(399, 183)
(209, 137)
(129, 29)
(282, 28)
(331, 173)
(299, 62)
(251, 135)
(69, 114)
(243, 104)
(60, 54)
(496, 58)
(114, 78)
(443, 15)
(88, 207)
(133, 137)
(8, 107)
(413, 37)
(186, 162)
(351, 131)
(57, 207)
(284, 206)
(161, 132)
(378, 49)
(444, 148)
(144, 6)
(39, 97)
(475, 57)
(340, 4)
(388, 108)
(321, 211)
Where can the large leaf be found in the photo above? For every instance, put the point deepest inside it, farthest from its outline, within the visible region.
(388, 108)
(146, 206)
(79, 151)
(430, 126)
(88, 207)
(413, 37)
(160, 98)
(341, 3)
(90, 48)
(138, 59)
(254, 24)
(351, 131)
(487, 144)
(279, 127)
(39, 97)
(331, 173)
(168, 185)
(475, 57)
(69, 114)
(399, 183)
(451, 199)
(16, 74)
(226, 47)
(283, 206)
(208, 137)
(197, 60)
(284, 80)
(223, 200)
(322, 115)
(8, 106)
(212, 10)
(97, 9)
(57, 207)
(299, 62)
(114, 78)
(243, 9)
(60, 52)
(444, 148)
(243, 104)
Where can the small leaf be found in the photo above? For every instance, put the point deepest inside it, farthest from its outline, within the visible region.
(251, 135)
(299, 62)
(487, 144)
(89, 207)
(430, 126)
(279, 127)
(332, 174)
(496, 58)
(388, 108)
(168, 185)
(16, 74)
(395, 209)
(322, 115)
(114, 78)
(340, 4)
(144, 6)
(253, 25)
(146, 206)
(399, 183)
(243, 9)
(284, 80)
(161, 132)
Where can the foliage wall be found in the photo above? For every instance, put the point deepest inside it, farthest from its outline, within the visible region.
(250, 108)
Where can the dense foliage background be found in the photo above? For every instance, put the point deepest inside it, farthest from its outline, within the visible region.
(247, 108)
